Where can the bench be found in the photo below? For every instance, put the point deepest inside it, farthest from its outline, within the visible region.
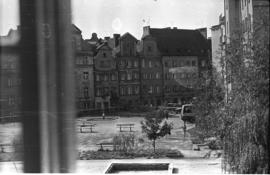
(4, 146)
(124, 126)
(90, 126)
(105, 144)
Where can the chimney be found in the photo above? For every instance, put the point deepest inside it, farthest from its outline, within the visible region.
(106, 38)
(116, 38)
(146, 31)
(203, 31)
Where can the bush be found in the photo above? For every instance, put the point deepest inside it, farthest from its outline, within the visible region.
(124, 142)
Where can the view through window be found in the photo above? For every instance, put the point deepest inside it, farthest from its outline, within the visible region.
(133, 86)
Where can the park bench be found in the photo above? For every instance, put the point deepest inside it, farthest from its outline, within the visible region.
(90, 126)
(105, 144)
(123, 127)
(3, 147)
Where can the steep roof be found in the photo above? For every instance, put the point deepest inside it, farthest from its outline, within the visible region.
(128, 34)
(180, 42)
(76, 29)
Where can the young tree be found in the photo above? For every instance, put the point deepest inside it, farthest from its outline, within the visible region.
(155, 126)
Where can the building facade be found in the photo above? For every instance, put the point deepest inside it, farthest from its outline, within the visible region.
(181, 58)
(105, 78)
(128, 71)
(151, 71)
(243, 20)
(84, 72)
(10, 80)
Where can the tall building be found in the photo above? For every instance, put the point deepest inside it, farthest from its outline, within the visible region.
(151, 70)
(105, 78)
(10, 80)
(244, 19)
(84, 71)
(182, 57)
(128, 70)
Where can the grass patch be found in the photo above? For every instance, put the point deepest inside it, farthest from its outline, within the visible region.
(140, 153)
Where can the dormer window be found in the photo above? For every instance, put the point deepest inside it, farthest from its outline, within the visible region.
(149, 49)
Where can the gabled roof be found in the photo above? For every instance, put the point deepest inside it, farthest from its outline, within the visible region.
(75, 29)
(128, 34)
(179, 41)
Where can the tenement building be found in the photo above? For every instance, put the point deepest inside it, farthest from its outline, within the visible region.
(84, 78)
(151, 71)
(10, 80)
(128, 71)
(105, 78)
(178, 58)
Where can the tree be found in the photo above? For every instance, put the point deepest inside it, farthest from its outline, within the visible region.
(155, 126)
(242, 123)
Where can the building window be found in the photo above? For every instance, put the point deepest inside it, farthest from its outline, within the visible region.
(136, 63)
(150, 64)
(106, 77)
(97, 77)
(157, 75)
(129, 90)
(149, 48)
(85, 60)
(123, 76)
(113, 77)
(158, 89)
(129, 76)
(193, 63)
(150, 76)
(104, 55)
(85, 75)
(174, 64)
(129, 64)
(173, 76)
(98, 92)
(85, 92)
(188, 63)
(136, 76)
(143, 63)
(150, 91)
(166, 64)
(203, 63)
(137, 90)
(122, 91)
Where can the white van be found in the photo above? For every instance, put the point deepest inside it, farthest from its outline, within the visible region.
(187, 113)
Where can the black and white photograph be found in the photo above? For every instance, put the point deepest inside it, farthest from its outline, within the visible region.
(134, 86)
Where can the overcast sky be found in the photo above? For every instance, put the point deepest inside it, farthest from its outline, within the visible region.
(106, 17)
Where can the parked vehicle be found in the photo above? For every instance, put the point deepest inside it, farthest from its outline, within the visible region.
(187, 113)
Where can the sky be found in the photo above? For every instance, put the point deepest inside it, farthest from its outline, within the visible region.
(106, 17)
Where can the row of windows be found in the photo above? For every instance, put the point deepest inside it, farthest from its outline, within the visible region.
(86, 60)
(150, 64)
(129, 63)
(151, 76)
(175, 63)
(105, 64)
(105, 91)
(129, 76)
(106, 77)
(14, 100)
(152, 89)
(13, 82)
(171, 76)
(129, 90)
